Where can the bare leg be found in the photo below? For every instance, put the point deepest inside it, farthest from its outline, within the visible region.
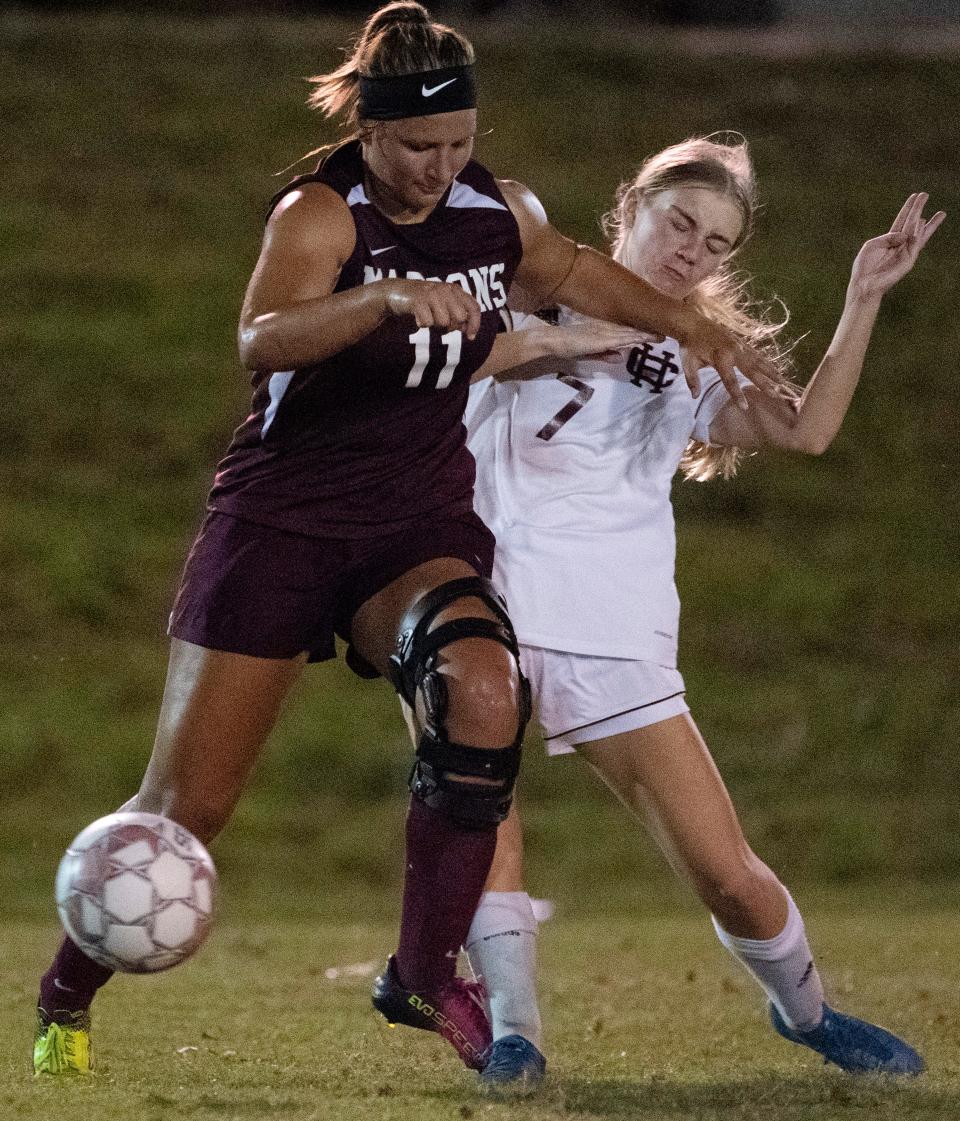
(217, 711)
(506, 872)
(666, 776)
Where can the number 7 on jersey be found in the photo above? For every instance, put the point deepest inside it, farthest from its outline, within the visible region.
(570, 409)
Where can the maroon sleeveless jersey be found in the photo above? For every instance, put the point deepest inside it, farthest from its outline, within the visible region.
(372, 439)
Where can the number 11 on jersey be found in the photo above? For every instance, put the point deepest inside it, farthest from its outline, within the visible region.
(452, 340)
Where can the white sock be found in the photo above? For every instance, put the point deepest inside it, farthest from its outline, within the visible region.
(501, 945)
(784, 969)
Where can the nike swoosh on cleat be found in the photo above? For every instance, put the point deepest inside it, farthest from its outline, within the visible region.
(430, 92)
(385, 249)
(62, 988)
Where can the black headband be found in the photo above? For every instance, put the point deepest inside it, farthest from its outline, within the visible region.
(417, 95)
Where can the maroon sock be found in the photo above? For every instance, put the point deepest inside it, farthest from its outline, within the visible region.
(447, 866)
(71, 983)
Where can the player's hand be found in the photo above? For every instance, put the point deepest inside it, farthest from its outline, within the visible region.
(706, 343)
(433, 303)
(886, 259)
(587, 338)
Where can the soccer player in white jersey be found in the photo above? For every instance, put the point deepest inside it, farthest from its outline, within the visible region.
(575, 464)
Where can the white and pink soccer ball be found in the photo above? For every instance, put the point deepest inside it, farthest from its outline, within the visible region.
(136, 891)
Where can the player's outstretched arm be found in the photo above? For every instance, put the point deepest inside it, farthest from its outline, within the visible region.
(539, 347)
(811, 423)
(291, 316)
(558, 270)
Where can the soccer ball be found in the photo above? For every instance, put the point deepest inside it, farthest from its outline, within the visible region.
(135, 891)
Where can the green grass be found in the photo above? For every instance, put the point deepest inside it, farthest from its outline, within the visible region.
(646, 1019)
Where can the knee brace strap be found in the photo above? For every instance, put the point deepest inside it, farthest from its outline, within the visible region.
(417, 646)
(437, 776)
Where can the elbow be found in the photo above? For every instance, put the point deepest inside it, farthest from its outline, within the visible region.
(817, 445)
(794, 435)
(253, 344)
(808, 443)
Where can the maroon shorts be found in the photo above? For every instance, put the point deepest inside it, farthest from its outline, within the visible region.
(253, 589)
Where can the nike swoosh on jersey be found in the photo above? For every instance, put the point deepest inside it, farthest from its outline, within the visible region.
(430, 92)
(385, 249)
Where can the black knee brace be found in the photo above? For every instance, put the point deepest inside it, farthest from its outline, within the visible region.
(441, 766)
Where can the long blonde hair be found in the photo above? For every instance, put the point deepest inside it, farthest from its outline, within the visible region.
(721, 163)
(399, 38)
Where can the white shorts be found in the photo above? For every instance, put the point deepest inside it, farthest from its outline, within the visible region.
(578, 697)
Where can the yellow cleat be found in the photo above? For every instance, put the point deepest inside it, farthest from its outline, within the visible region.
(62, 1048)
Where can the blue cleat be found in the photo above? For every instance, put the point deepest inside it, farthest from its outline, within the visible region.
(516, 1067)
(854, 1045)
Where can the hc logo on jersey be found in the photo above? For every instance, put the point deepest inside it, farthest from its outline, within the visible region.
(651, 366)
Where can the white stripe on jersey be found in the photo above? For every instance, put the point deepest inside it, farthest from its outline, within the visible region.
(467, 198)
(278, 385)
(357, 195)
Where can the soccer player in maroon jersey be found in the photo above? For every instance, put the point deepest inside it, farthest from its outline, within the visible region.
(344, 503)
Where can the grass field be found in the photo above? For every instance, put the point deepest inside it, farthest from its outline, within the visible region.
(646, 1019)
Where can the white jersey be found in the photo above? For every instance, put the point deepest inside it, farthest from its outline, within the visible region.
(573, 476)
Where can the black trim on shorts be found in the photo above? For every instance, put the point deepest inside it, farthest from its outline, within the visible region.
(613, 716)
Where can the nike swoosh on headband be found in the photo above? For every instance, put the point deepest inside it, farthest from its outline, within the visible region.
(430, 92)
